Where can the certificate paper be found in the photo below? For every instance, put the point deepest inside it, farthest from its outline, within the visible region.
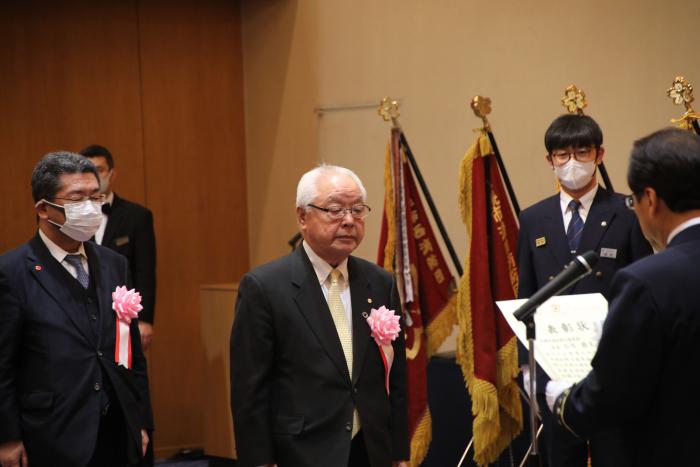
(568, 331)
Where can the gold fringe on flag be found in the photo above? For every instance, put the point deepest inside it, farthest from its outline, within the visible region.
(389, 209)
(496, 409)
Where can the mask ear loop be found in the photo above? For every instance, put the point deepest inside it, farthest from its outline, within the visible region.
(57, 206)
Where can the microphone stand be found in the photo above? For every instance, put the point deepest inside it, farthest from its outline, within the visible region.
(534, 458)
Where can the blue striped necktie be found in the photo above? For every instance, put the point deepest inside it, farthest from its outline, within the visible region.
(573, 232)
(77, 263)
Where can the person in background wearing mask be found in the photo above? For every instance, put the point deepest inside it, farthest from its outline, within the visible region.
(67, 397)
(127, 228)
(581, 217)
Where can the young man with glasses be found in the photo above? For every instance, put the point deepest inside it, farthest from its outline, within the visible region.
(583, 216)
(309, 385)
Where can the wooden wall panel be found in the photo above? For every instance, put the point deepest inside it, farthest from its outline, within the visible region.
(160, 84)
(195, 174)
(69, 77)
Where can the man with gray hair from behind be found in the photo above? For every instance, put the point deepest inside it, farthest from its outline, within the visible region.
(312, 380)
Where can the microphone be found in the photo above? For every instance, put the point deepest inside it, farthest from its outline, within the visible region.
(580, 267)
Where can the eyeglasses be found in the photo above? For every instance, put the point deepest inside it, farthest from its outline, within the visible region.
(629, 202)
(358, 211)
(580, 154)
(101, 198)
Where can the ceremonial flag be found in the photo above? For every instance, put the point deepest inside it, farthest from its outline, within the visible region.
(486, 346)
(409, 249)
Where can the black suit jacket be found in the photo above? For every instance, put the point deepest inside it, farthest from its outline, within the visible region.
(291, 394)
(543, 250)
(129, 231)
(645, 376)
(53, 364)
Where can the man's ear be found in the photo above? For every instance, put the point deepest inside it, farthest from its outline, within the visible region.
(115, 172)
(548, 158)
(41, 210)
(301, 217)
(599, 155)
(653, 202)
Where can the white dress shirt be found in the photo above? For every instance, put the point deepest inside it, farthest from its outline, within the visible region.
(99, 235)
(60, 254)
(682, 227)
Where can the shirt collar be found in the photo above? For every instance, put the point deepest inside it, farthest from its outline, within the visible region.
(109, 199)
(322, 268)
(58, 252)
(682, 227)
(585, 200)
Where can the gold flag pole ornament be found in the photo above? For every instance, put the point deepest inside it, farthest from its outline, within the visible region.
(482, 107)
(389, 110)
(574, 101)
(681, 92)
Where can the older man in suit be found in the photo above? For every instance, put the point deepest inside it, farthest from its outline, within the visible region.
(70, 396)
(308, 383)
(127, 228)
(644, 379)
(582, 217)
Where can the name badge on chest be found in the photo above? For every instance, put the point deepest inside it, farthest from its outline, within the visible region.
(608, 253)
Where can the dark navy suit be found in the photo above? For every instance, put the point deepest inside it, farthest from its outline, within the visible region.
(645, 375)
(612, 231)
(291, 393)
(57, 370)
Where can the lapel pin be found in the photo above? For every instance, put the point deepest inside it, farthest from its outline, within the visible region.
(37, 268)
(365, 315)
(369, 300)
(540, 242)
(603, 224)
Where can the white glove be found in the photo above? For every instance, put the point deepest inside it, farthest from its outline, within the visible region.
(526, 379)
(553, 390)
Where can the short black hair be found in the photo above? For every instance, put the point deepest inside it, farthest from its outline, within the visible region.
(47, 172)
(668, 161)
(572, 130)
(95, 150)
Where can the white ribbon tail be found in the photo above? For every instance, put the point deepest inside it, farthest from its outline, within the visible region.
(122, 349)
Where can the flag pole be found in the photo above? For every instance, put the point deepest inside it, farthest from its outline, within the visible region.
(575, 101)
(389, 110)
(482, 107)
(681, 92)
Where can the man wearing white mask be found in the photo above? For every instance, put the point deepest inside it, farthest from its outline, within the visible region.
(127, 228)
(73, 384)
(581, 217)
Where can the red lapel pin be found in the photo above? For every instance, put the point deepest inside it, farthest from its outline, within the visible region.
(37, 267)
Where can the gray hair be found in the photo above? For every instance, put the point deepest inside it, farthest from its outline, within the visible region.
(46, 175)
(307, 189)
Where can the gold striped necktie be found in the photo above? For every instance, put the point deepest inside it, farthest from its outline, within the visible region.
(343, 328)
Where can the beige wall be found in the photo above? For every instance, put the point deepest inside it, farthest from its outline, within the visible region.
(304, 54)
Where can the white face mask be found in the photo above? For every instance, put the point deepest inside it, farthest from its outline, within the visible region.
(574, 175)
(82, 219)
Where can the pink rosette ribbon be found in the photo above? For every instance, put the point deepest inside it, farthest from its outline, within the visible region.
(385, 327)
(127, 305)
